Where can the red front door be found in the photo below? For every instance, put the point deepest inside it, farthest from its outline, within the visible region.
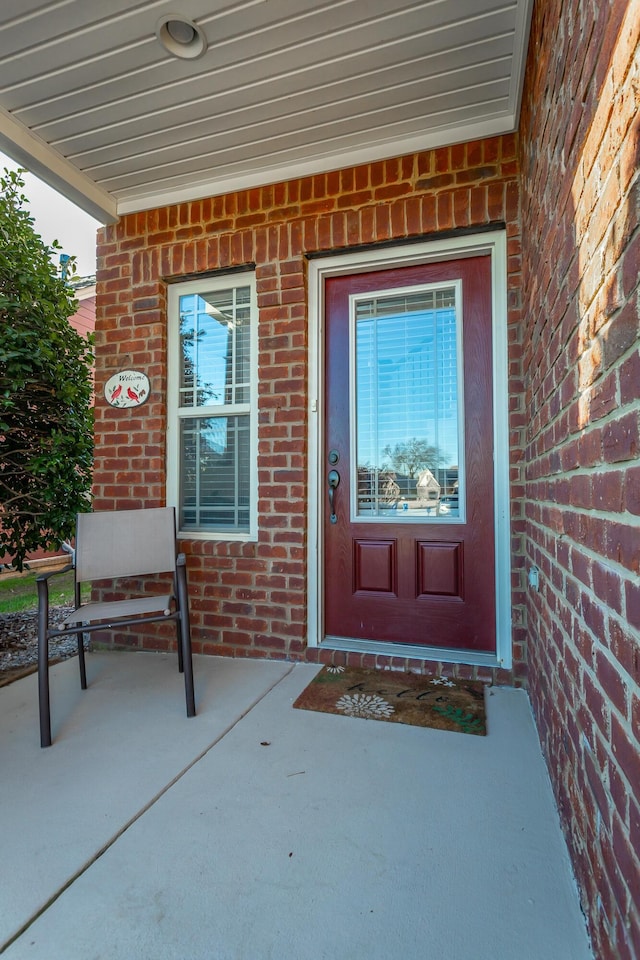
(408, 457)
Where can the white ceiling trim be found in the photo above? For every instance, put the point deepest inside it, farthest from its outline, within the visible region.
(91, 102)
(36, 156)
(319, 164)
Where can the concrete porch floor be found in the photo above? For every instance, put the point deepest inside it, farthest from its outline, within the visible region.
(143, 834)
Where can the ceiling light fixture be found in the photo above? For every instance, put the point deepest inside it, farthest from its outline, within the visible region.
(181, 37)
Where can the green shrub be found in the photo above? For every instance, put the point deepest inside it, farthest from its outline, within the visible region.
(46, 421)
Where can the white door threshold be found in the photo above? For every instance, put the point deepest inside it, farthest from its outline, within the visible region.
(474, 658)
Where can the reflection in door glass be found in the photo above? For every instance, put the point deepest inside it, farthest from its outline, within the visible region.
(407, 405)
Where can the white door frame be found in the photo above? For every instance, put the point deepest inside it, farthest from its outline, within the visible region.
(494, 244)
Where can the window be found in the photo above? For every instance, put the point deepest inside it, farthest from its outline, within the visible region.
(212, 450)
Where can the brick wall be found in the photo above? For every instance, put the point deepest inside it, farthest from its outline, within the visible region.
(581, 254)
(249, 599)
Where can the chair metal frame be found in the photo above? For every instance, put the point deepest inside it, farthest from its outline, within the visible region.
(112, 545)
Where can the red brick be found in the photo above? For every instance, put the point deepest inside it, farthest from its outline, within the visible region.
(609, 490)
(623, 545)
(626, 858)
(632, 599)
(429, 221)
(632, 490)
(607, 585)
(603, 397)
(629, 375)
(598, 789)
(495, 201)
(461, 208)
(620, 439)
(622, 332)
(626, 752)
(435, 182)
(445, 211)
(478, 205)
(630, 267)
(594, 699)
(612, 683)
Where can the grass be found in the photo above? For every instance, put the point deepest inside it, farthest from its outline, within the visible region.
(19, 594)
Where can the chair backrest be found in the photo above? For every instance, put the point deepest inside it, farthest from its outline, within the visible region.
(125, 543)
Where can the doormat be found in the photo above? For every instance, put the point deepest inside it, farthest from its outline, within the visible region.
(416, 699)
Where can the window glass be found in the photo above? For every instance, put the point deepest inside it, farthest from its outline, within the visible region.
(408, 427)
(215, 473)
(214, 348)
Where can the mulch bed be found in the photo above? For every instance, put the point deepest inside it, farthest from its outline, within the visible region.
(19, 643)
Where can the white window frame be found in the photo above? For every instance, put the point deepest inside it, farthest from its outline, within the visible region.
(175, 413)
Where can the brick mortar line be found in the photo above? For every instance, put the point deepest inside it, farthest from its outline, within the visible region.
(582, 547)
(624, 517)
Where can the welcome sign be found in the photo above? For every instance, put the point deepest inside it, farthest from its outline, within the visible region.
(129, 388)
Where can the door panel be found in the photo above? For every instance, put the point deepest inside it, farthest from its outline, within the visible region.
(440, 568)
(409, 542)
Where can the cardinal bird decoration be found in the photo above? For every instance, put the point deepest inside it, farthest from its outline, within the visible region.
(129, 388)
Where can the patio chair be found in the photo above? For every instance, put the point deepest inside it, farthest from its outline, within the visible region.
(112, 545)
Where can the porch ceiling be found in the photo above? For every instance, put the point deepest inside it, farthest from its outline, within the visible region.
(91, 102)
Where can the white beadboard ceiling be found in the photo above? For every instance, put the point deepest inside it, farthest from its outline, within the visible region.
(92, 103)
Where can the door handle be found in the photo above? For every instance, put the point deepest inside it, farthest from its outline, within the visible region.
(333, 480)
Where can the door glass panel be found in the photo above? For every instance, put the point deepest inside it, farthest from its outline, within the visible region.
(408, 434)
